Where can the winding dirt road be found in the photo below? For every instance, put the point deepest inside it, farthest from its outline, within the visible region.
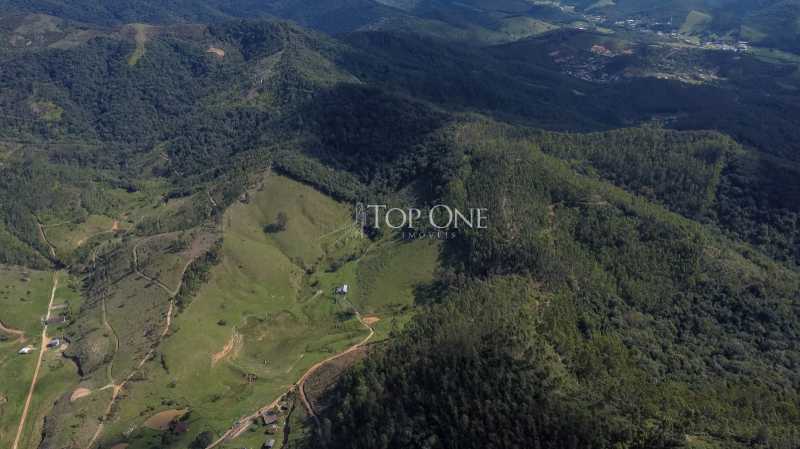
(7, 330)
(42, 350)
(302, 382)
(244, 423)
(117, 388)
(165, 287)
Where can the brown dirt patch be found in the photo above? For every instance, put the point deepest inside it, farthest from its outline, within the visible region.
(233, 342)
(220, 53)
(161, 420)
(370, 320)
(79, 393)
(322, 381)
(120, 446)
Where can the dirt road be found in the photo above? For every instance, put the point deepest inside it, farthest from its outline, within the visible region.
(302, 382)
(117, 388)
(163, 286)
(42, 350)
(244, 423)
(44, 238)
(20, 335)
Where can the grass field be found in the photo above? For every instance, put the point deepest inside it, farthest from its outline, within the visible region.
(268, 312)
(57, 374)
(695, 22)
(66, 237)
(255, 316)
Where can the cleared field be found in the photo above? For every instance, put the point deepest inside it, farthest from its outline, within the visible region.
(57, 374)
(66, 237)
(387, 280)
(259, 293)
(24, 295)
(267, 314)
(166, 256)
(695, 22)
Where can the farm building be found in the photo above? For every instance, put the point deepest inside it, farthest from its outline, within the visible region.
(55, 320)
(269, 444)
(269, 417)
(342, 290)
(25, 350)
(54, 343)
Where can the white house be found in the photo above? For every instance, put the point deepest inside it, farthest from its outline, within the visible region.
(25, 350)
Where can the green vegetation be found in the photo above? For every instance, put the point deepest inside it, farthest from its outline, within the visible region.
(695, 22)
(24, 298)
(636, 287)
(264, 306)
(645, 310)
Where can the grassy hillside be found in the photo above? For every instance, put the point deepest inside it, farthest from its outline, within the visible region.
(24, 298)
(266, 308)
(634, 283)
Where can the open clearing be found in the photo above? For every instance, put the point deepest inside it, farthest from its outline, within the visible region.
(79, 393)
(218, 52)
(24, 298)
(160, 421)
(142, 34)
(267, 314)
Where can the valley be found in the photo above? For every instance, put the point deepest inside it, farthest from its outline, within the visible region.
(265, 321)
(181, 187)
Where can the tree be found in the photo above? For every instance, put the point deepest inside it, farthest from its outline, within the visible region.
(279, 225)
(281, 220)
(202, 441)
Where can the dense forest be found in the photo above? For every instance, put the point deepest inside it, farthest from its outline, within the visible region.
(637, 312)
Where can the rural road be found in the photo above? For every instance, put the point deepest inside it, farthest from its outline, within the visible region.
(244, 423)
(172, 293)
(302, 382)
(42, 350)
(117, 388)
(20, 335)
(44, 237)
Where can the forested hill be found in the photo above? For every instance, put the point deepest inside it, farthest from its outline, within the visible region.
(330, 16)
(605, 321)
(638, 285)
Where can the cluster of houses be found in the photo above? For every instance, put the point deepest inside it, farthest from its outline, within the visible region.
(52, 344)
(270, 419)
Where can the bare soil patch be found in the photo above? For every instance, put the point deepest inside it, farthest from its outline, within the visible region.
(79, 393)
(161, 420)
(370, 320)
(233, 342)
(320, 383)
(220, 53)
